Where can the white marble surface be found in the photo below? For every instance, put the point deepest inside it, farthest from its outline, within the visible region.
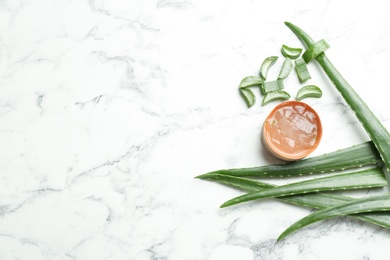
(108, 109)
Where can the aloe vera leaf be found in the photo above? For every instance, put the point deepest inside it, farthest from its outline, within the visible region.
(352, 157)
(286, 68)
(239, 182)
(309, 91)
(375, 130)
(275, 95)
(266, 65)
(248, 96)
(314, 50)
(302, 71)
(251, 81)
(369, 178)
(270, 86)
(311, 200)
(291, 53)
(377, 203)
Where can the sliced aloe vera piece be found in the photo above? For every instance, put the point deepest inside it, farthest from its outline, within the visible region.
(302, 71)
(369, 178)
(275, 95)
(314, 50)
(251, 81)
(266, 65)
(309, 91)
(292, 53)
(248, 96)
(312, 200)
(270, 86)
(377, 203)
(286, 68)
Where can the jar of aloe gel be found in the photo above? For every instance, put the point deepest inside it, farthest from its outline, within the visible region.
(292, 131)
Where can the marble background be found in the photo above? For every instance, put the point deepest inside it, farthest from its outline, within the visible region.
(109, 109)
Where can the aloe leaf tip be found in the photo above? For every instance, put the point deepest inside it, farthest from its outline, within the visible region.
(282, 236)
(224, 205)
(207, 175)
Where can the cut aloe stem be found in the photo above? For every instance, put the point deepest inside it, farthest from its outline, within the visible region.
(309, 91)
(311, 200)
(266, 65)
(368, 178)
(248, 96)
(291, 53)
(275, 95)
(377, 203)
(302, 71)
(286, 68)
(270, 86)
(251, 81)
(355, 156)
(375, 130)
(314, 50)
(246, 93)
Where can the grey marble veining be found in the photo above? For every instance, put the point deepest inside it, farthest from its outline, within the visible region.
(109, 109)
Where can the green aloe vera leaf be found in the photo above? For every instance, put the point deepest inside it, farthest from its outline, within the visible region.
(375, 130)
(248, 96)
(377, 203)
(270, 86)
(314, 50)
(239, 182)
(291, 53)
(286, 68)
(309, 91)
(368, 178)
(275, 95)
(251, 81)
(352, 157)
(302, 71)
(311, 200)
(266, 65)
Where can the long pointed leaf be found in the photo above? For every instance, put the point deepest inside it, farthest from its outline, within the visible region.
(355, 180)
(378, 203)
(352, 157)
(311, 200)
